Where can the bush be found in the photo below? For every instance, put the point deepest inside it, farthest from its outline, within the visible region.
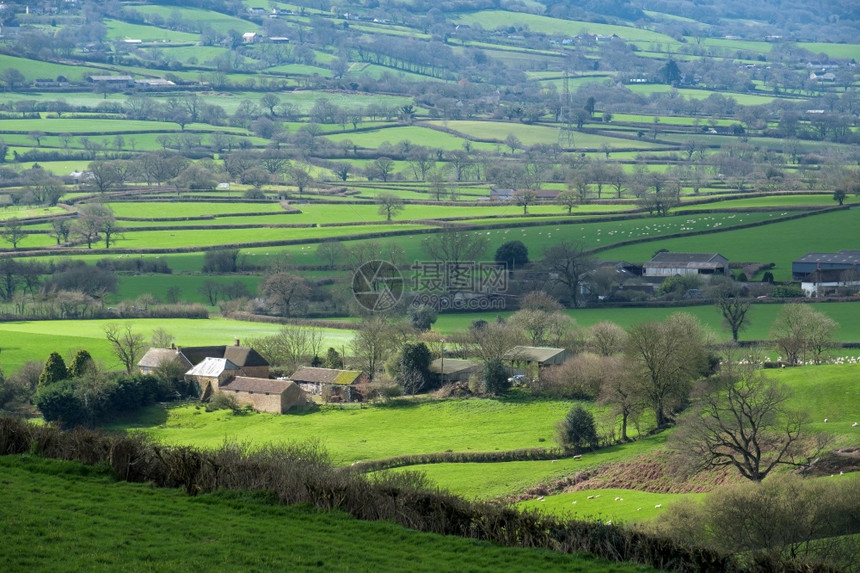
(222, 401)
(578, 429)
(58, 402)
(787, 291)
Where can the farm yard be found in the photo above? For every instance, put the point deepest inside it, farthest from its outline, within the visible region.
(415, 262)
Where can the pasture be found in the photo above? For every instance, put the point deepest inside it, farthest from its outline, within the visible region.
(759, 319)
(780, 242)
(64, 516)
(23, 341)
(352, 433)
(502, 19)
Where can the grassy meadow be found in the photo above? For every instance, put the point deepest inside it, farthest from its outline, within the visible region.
(352, 433)
(23, 341)
(64, 516)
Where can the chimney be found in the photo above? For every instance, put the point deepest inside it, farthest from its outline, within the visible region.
(172, 346)
(236, 343)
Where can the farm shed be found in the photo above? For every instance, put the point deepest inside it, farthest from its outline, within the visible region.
(266, 395)
(532, 360)
(667, 264)
(540, 355)
(845, 260)
(454, 369)
(126, 81)
(208, 376)
(155, 357)
(337, 384)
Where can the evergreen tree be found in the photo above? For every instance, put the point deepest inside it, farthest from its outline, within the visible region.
(54, 371)
(333, 359)
(81, 362)
(496, 377)
(578, 430)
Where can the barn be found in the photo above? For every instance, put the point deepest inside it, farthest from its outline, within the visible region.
(335, 385)
(668, 264)
(266, 395)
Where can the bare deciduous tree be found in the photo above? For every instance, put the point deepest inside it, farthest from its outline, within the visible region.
(127, 345)
(741, 421)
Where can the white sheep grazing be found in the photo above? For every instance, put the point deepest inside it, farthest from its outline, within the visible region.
(540, 498)
(617, 499)
(573, 502)
(658, 506)
(854, 425)
(825, 420)
(638, 509)
(609, 522)
(590, 497)
(553, 461)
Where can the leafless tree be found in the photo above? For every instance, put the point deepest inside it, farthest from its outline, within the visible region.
(127, 345)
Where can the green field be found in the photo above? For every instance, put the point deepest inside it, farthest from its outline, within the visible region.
(779, 243)
(498, 18)
(499, 480)
(64, 517)
(353, 433)
(759, 319)
(22, 341)
(534, 134)
(615, 505)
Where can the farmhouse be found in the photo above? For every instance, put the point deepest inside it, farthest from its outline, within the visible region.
(248, 359)
(454, 369)
(264, 394)
(337, 385)
(251, 37)
(667, 264)
(156, 357)
(209, 375)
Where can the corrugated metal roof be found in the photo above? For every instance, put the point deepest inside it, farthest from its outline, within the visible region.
(212, 367)
(685, 258)
(532, 353)
(452, 365)
(845, 257)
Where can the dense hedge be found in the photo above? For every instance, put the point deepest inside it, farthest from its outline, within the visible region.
(303, 474)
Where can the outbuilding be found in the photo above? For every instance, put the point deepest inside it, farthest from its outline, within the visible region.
(666, 264)
(265, 394)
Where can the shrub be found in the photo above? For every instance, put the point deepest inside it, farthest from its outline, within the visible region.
(222, 401)
(578, 429)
